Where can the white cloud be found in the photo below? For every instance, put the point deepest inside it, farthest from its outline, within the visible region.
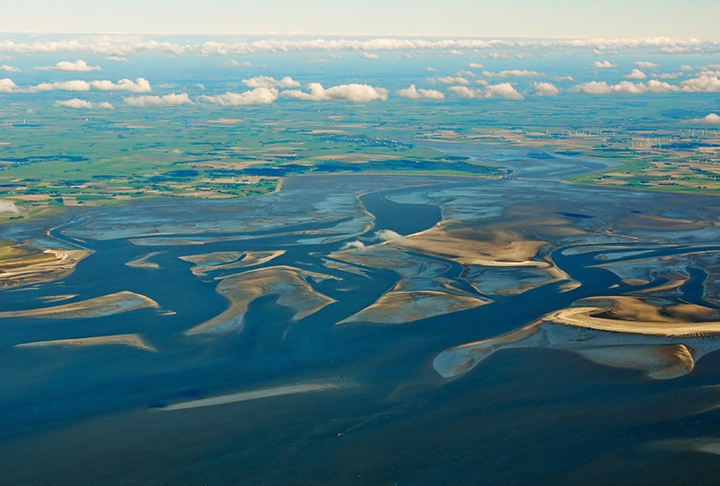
(701, 84)
(270, 82)
(625, 87)
(685, 68)
(474, 65)
(79, 66)
(513, 73)
(712, 118)
(655, 86)
(464, 72)
(455, 52)
(78, 103)
(354, 245)
(140, 85)
(604, 64)
(502, 90)
(7, 85)
(413, 93)
(167, 100)
(646, 65)
(116, 59)
(669, 75)
(257, 96)
(9, 69)
(498, 55)
(74, 85)
(563, 78)
(234, 63)
(449, 80)
(636, 74)
(358, 93)
(594, 87)
(430, 69)
(369, 55)
(545, 89)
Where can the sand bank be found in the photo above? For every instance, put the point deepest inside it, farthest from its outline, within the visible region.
(256, 394)
(289, 283)
(105, 305)
(132, 340)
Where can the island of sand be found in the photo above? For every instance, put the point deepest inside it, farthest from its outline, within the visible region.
(31, 268)
(662, 339)
(102, 306)
(288, 283)
(131, 340)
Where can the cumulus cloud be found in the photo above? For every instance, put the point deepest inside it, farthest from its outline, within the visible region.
(79, 66)
(545, 89)
(626, 87)
(712, 119)
(646, 65)
(270, 82)
(78, 103)
(358, 93)
(413, 93)
(430, 69)
(513, 73)
(563, 78)
(234, 63)
(701, 84)
(636, 74)
(685, 68)
(8, 207)
(9, 69)
(449, 80)
(74, 85)
(369, 55)
(7, 85)
(167, 100)
(140, 85)
(116, 59)
(257, 96)
(604, 64)
(474, 65)
(502, 90)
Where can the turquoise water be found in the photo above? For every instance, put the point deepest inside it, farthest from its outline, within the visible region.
(95, 415)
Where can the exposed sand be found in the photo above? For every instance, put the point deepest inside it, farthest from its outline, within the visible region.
(142, 261)
(105, 305)
(132, 340)
(633, 315)
(33, 269)
(289, 283)
(402, 307)
(228, 260)
(257, 394)
(661, 339)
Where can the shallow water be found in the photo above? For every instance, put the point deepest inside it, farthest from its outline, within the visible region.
(94, 414)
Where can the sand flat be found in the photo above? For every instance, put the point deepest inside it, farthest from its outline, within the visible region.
(52, 265)
(228, 260)
(256, 395)
(132, 340)
(402, 307)
(289, 283)
(102, 306)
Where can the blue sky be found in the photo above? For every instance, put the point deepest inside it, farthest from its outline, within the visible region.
(482, 18)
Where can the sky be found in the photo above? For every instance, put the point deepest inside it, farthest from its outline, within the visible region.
(456, 18)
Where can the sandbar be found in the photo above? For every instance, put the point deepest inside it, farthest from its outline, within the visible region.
(102, 306)
(132, 340)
